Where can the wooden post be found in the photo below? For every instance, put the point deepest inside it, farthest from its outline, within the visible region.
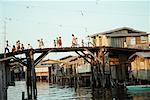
(75, 77)
(31, 77)
(9, 80)
(28, 81)
(49, 74)
(3, 86)
(92, 75)
(23, 96)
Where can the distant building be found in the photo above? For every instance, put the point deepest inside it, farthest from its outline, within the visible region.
(18, 70)
(140, 66)
(64, 70)
(76, 66)
(121, 37)
(41, 72)
(46, 70)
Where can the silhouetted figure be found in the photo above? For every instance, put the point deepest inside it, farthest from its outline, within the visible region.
(7, 47)
(22, 47)
(125, 44)
(54, 43)
(82, 43)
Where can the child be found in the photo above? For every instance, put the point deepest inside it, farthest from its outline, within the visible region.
(60, 42)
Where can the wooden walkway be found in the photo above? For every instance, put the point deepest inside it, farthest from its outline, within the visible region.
(30, 63)
(72, 49)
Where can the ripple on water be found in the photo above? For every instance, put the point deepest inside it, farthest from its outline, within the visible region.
(55, 92)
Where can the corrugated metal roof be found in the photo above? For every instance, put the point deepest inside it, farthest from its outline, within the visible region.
(64, 60)
(51, 62)
(118, 29)
(129, 34)
(141, 54)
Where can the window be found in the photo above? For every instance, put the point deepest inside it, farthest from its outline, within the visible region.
(143, 39)
(133, 41)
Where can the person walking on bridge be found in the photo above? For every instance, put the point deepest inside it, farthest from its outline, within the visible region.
(54, 43)
(22, 47)
(82, 42)
(18, 45)
(14, 48)
(7, 47)
(57, 42)
(29, 46)
(60, 42)
(42, 44)
(74, 41)
(39, 44)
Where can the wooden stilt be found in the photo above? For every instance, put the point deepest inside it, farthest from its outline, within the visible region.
(31, 77)
(3, 87)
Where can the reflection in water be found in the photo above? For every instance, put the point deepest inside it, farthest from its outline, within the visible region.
(56, 92)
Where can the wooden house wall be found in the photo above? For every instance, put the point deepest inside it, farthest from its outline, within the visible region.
(138, 40)
(149, 38)
(147, 64)
(141, 68)
(94, 41)
(119, 68)
(131, 41)
(98, 41)
(104, 41)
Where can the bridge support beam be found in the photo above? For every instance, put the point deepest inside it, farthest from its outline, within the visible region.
(31, 76)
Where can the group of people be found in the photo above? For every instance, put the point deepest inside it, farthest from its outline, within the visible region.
(58, 42)
(18, 47)
(40, 44)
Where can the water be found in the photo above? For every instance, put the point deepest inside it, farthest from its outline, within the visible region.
(56, 92)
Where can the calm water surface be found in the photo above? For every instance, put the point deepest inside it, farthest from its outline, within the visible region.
(55, 92)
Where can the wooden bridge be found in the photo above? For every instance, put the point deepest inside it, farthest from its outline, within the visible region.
(95, 53)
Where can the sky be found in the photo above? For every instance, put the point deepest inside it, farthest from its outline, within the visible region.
(28, 20)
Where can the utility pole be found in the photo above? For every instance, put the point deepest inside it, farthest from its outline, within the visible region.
(4, 35)
(5, 31)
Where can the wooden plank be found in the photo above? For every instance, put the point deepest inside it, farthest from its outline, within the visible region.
(4, 59)
(83, 57)
(41, 57)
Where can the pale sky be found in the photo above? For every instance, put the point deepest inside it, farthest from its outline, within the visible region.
(28, 20)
